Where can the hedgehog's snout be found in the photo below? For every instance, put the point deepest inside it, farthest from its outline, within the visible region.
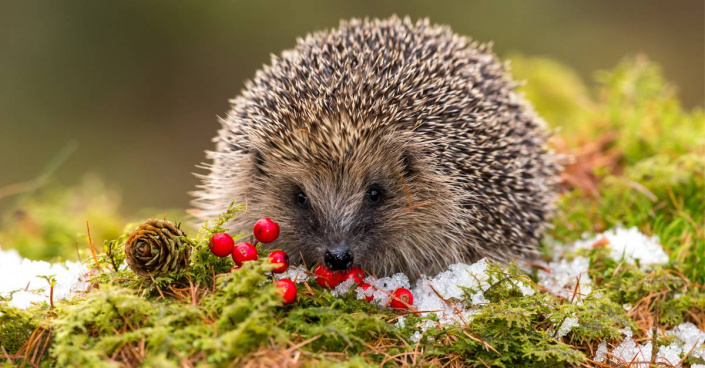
(339, 258)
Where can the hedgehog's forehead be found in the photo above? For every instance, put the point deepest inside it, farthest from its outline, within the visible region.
(338, 140)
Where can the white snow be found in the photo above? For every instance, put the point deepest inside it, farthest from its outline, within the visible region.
(297, 274)
(441, 294)
(601, 353)
(630, 245)
(687, 338)
(21, 281)
(562, 274)
(343, 287)
(563, 277)
(566, 326)
(401, 322)
(691, 338)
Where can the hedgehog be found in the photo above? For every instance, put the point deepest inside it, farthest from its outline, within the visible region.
(390, 145)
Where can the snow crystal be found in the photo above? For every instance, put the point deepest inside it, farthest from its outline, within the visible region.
(630, 351)
(566, 326)
(436, 295)
(363, 294)
(20, 279)
(401, 321)
(386, 285)
(564, 276)
(670, 354)
(295, 273)
(343, 287)
(691, 338)
(630, 245)
(687, 336)
(450, 284)
(601, 353)
(442, 293)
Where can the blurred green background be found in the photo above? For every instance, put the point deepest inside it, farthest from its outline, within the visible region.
(136, 86)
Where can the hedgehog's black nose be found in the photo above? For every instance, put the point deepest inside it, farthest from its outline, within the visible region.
(338, 259)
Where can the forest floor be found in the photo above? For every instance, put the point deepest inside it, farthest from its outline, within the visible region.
(620, 283)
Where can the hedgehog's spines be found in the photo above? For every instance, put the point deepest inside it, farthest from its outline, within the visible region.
(374, 90)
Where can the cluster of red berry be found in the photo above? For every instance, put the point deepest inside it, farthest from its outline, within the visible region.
(267, 231)
(401, 298)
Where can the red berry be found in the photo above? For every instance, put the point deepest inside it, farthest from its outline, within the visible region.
(327, 277)
(266, 230)
(288, 290)
(244, 252)
(221, 244)
(281, 259)
(364, 287)
(402, 299)
(355, 273)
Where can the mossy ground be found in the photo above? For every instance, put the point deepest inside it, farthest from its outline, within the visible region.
(638, 160)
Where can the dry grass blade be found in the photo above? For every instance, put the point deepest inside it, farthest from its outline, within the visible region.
(93, 251)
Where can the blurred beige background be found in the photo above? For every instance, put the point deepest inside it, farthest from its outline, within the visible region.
(137, 85)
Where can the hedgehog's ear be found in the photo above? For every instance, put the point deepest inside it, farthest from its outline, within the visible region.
(258, 161)
(407, 164)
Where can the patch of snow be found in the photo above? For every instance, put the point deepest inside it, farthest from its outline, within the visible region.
(630, 245)
(416, 337)
(386, 285)
(441, 294)
(363, 294)
(297, 274)
(670, 354)
(343, 287)
(21, 282)
(401, 321)
(690, 337)
(687, 337)
(563, 278)
(566, 326)
(601, 353)
(438, 294)
(629, 351)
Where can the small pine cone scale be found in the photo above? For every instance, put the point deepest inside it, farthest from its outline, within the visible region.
(156, 248)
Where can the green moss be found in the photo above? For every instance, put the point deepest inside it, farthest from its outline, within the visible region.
(16, 326)
(112, 322)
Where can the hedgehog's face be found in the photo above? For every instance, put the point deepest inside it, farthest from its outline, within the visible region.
(338, 222)
(338, 210)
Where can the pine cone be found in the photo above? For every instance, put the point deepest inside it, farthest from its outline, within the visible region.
(156, 248)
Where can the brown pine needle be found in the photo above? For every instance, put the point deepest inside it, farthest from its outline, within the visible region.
(93, 252)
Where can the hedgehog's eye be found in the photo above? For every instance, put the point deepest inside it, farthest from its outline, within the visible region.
(302, 199)
(373, 194)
